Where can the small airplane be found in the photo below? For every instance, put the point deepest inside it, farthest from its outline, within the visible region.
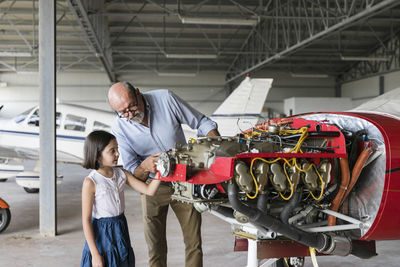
(19, 136)
(19, 139)
(306, 185)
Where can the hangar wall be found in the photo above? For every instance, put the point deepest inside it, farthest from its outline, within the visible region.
(22, 90)
(287, 86)
(205, 91)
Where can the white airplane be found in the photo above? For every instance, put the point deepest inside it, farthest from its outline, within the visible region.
(19, 139)
(19, 136)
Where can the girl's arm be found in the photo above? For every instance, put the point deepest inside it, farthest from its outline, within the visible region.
(148, 189)
(88, 191)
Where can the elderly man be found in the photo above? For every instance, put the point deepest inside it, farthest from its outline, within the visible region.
(149, 123)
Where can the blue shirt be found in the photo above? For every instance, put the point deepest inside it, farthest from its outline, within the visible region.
(165, 114)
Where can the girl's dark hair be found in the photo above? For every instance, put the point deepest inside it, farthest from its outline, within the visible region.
(95, 143)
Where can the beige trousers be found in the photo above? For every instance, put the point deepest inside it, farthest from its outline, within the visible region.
(155, 210)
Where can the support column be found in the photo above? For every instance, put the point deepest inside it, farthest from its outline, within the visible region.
(338, 89)
(47, 85)
(381, 85)
(252, 260)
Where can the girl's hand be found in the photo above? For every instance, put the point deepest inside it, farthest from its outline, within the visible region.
(97, 260)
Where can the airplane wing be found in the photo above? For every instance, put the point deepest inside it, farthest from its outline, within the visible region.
(241, 110)
(12, 152)
(7, 152)
(388, 103)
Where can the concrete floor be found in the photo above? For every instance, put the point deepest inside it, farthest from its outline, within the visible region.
(22, 245)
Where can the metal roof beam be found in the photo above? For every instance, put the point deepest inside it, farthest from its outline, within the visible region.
(285, 44)
(361, 69)
(95, 33)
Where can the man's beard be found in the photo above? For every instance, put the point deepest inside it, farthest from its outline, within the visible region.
(138, 118)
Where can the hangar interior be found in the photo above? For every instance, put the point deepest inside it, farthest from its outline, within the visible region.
(200, 50)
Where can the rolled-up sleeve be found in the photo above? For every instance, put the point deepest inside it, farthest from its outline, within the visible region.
(206, 125)
(190, 116)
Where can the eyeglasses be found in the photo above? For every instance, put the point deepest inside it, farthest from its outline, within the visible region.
(132, 108)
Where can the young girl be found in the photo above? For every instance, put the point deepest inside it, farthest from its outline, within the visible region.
(104, 223)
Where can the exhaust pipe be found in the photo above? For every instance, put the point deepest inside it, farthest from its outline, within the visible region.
(292, 203)
(327, 244)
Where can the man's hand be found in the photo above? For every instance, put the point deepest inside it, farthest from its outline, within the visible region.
(213, 132)
(146, 167)
(149, 164)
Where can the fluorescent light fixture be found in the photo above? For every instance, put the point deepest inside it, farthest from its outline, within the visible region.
(194, 56)
(22, 72)
(14, 54)
(349, 58)
(309, 75)
(220, 21)
(177, 74)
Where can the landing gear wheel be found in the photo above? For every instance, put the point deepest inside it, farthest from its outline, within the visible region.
(5, 218)
(31, 190)
(3, 180)
(290, 262)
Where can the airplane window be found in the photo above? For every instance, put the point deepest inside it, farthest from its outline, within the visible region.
(101, 126)
(34, 119)
(21, 117)
(75, 123)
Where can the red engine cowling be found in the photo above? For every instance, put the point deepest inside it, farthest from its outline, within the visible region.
(374, 197)
(384, 188)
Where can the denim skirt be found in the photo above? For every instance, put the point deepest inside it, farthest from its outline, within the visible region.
(112, 241)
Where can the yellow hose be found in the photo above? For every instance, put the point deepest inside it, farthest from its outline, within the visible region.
(295, 149)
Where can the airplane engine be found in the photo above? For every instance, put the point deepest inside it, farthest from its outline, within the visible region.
(321, 179)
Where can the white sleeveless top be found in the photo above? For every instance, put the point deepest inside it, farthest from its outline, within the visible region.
(109, 199)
